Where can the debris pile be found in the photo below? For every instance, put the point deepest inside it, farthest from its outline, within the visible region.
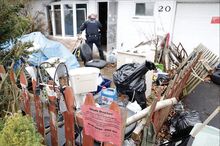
(88, 104)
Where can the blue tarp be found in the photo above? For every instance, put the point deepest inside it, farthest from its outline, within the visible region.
(48, 49)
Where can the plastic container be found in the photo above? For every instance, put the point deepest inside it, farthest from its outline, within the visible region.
(105, 83)
(84, 79)
(108, 95)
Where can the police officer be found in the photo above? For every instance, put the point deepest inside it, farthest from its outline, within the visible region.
(93, 27)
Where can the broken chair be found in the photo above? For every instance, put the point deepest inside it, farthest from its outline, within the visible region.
(86, 55)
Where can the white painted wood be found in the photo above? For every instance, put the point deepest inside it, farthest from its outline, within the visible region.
(62, 19)
(53, 21)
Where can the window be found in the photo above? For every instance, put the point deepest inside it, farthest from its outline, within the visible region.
(66, 18)
(144, 9)
(57, 17)
(80, 15)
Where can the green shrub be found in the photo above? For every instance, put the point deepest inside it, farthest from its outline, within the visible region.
(2, 122)
(20, 131)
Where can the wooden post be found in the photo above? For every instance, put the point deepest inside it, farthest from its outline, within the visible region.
(69, 117)
(12, 77)
(53, 114)
(148, 122)
(38, 109)
(23, 82)
(116, 108)
(88, 140)
(3, 75)
(2, 70)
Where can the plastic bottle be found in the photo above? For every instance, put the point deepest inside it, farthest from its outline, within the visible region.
(100, 96)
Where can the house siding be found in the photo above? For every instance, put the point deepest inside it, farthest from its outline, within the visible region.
(125, 30)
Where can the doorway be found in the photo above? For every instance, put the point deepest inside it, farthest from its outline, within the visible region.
(103, 18)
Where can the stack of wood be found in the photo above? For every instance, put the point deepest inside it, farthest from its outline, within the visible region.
(203, 68)
(170, 55)
(193, 70)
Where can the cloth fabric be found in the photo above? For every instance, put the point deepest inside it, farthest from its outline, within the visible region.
(45, 49)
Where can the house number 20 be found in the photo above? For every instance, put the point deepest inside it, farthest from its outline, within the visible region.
(166, 8)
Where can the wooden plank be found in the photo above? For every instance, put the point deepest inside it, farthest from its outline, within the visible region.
(196, 68)
(39, 109)
(175, 92)
(214, 62)
(2, 75)
(206, 66)
(193, 77)
(200, 73)
(53, 114)
(195, 84)
(185, 62)
(206, 54)
(151, 117)
(196, 79)
(87, 139)
(123, 114)
(136, 134)
(26, 98)
(170, 86)
(12, 77)
(79, 118)
(149, 120)
(69, 117)
(2, 70)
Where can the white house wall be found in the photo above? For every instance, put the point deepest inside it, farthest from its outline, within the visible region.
(132, 29)
(193, 26)
(40, 6)
(168, 18)
(164, 16)
(37, 5)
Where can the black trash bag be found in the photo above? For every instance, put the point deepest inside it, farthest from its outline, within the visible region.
(179, 108)
(162, 79)
(185, 119)
(129, 79)
(183, 123)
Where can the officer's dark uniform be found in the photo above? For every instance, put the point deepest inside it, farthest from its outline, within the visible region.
(92, 34)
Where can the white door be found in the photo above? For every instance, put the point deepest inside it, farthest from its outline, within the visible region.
(193, 25)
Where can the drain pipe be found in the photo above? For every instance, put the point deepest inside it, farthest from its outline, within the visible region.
(160, 104)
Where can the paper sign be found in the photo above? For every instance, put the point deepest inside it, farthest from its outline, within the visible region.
(102, 124)
(215, 20)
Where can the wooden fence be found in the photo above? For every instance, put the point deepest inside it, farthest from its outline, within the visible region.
(29, 100)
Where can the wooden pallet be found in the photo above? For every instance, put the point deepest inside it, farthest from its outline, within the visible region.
(202, 69)
(175, 88)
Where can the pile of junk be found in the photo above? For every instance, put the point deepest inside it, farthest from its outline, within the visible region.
(150, 78)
